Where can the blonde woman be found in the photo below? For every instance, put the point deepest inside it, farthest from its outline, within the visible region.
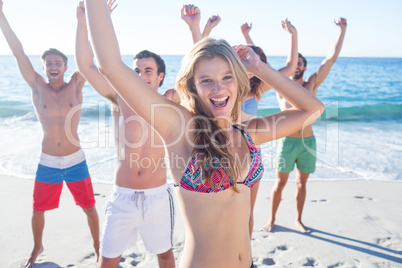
(191, 15)
(213, 161)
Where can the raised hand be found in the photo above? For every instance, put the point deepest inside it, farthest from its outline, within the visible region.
(245, 28)
(80, 11)
(341, 22)
(211, 23)
(248, 57)
(81, 8)
(287, 26)
(111, 5)
(191, 15)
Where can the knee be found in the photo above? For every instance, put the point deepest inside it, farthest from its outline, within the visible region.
(37, 214)
(279, 185)
(166, 255)
(90, 211)
(301, 186)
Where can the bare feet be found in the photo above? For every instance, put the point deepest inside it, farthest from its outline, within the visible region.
(269, 227)
(31, 261)
(302, 228)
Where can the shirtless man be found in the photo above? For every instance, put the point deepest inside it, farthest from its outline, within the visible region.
(292, 149)
(62, 157)
(141, 201)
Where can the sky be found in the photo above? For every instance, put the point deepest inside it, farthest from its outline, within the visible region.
(374, 27)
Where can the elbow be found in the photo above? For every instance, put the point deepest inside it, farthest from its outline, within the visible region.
(109, 66)
(106, 69)
(321, 107)
(318, 109)
(103, 70)
(293, 66)
(80, 67)
(83, 68)
(315, 111)
(106, 65)
(292, 69)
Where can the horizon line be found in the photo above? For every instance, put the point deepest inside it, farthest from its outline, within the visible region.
(315, 56)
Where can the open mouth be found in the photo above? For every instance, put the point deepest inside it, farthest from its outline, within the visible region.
(220, 102)
(54, 74)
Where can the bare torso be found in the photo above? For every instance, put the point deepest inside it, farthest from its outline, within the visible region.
(226, 240)
(284, 105)
(217, 223)
(140, 150)
(59, 113)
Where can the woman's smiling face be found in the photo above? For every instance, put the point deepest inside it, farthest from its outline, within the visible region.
(216, 86)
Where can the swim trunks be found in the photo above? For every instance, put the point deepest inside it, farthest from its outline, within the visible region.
(128, 212)
(52, 171)
(299, 151)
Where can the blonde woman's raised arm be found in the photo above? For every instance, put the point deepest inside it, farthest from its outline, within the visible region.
(162, 114)
(306, 107)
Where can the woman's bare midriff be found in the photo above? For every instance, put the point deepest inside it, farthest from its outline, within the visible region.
(216, 228)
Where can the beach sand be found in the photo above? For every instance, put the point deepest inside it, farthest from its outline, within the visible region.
(354, 224)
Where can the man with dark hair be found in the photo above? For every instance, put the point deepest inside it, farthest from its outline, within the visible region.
(141, 200)
(62, 158)
(145, 54)
(300, 147)
(305, 65)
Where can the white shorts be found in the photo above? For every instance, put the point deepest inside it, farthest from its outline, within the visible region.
(149, 212)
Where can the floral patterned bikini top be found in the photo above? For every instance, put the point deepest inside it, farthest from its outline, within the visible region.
(193, 181)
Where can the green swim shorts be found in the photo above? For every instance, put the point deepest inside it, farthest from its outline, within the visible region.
(301, 151)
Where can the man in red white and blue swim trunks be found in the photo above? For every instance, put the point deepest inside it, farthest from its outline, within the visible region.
(57, 106)
(52, 171)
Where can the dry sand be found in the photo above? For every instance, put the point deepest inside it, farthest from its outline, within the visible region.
(354, 224)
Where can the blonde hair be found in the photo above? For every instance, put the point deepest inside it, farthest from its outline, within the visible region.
(209, 138)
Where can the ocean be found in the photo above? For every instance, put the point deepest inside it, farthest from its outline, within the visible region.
(359, 137)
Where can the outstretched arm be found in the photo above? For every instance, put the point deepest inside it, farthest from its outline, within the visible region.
(306, 107)
(327, 63)
(25, 66)
(212, 22)
(245, 29)
(159, 112)
(291, 62)
(191, 15)
(84, 57)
